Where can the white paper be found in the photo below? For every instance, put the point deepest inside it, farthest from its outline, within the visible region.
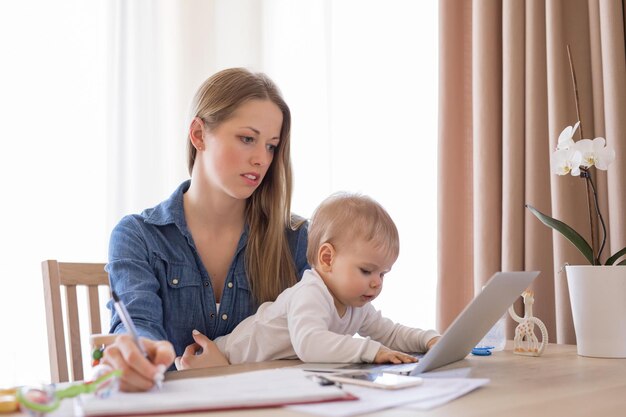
(248, 389)
(432, 393)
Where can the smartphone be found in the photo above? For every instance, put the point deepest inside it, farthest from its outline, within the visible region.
(383, 380)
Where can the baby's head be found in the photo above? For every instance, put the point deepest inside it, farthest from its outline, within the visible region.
(352, 243)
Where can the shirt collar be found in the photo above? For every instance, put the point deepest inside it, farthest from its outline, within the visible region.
(171, 211)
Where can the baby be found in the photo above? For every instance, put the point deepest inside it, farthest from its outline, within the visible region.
(352, 244)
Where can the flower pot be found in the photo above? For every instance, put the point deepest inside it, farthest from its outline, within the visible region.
(598, 298)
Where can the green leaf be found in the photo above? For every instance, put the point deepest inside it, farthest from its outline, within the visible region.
(615, 257)
(569, 233)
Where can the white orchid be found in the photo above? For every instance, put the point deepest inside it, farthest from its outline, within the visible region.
(570, 156)
(565, 161)
(576, 158)
(566, 137)
(594, 152)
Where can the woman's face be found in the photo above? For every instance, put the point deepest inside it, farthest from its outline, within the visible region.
(238, 152)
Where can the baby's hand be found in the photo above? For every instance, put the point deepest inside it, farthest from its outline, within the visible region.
(386, 355)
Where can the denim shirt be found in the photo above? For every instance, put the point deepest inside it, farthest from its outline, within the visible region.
(156, 271)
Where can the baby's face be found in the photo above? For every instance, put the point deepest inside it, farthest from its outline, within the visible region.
(357, 273)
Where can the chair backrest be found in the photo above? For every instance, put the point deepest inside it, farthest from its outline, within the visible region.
(57, 275)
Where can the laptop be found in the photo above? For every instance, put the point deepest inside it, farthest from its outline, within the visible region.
(500, 292)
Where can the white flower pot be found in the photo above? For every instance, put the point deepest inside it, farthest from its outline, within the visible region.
(598, 298)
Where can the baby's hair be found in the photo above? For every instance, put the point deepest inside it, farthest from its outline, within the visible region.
(345, 217)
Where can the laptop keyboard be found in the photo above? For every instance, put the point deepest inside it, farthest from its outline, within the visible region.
(402, 368)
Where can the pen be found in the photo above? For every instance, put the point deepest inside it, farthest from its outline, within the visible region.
(130, 326)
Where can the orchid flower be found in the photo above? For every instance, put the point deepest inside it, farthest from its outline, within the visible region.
(566, 137)
(576, 158)
(565, 161)
(594, 152)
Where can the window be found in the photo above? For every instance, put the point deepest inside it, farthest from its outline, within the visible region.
(360, 77)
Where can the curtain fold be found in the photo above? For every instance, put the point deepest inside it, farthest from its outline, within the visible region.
(498, 126)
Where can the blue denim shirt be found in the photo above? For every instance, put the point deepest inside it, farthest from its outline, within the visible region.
(156, 271)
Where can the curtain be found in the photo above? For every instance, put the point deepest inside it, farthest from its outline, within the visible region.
(160, 52)
(362, 113)
(505, 94)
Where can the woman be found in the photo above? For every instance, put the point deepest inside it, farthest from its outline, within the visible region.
(223, 243)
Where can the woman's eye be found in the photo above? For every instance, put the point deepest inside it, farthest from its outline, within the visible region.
(247, 139)
(271, 148)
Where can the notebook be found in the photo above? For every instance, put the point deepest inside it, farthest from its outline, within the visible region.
(462, 335)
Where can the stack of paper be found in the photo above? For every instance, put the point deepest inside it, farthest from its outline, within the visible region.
(432, 393)
(267, 388)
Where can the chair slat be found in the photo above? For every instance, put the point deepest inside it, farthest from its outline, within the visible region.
(54, 322)
(76, 357)
(93, 301)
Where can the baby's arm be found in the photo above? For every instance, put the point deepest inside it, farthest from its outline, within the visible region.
(309, 318)
(394, 335)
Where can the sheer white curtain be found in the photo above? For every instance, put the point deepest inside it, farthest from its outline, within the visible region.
(362, 92)
(98, 91)
(52, 163)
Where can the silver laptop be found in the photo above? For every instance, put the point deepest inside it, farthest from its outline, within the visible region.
(463, 334)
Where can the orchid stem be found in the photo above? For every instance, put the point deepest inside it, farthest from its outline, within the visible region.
(597, 207)
(591, 193)
(575, 86)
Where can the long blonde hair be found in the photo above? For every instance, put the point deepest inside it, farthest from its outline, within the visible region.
(269, 261)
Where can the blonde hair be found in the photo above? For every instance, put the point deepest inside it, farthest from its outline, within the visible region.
(269, 261)
(345, 217)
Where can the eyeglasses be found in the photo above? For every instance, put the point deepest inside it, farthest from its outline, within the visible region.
(47, 398)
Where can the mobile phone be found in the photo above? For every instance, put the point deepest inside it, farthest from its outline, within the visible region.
(383, 380)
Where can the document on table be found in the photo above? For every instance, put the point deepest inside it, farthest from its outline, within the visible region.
(432, 393)
(267, 388)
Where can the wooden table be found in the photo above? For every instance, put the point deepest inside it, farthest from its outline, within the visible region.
(559, 383)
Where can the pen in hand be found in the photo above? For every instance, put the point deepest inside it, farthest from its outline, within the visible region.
(130, 326)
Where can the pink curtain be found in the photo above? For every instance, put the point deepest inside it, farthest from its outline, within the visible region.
(505, 95)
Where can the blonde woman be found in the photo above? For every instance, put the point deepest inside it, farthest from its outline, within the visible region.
(223, 243)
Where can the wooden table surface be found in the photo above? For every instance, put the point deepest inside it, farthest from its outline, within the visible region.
(559, 383)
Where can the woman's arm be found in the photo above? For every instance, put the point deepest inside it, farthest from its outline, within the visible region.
(132, 278)
(133, 281)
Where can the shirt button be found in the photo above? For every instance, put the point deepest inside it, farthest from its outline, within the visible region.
(175, 281)
(230, 285)
(206, 283)
(224, 316)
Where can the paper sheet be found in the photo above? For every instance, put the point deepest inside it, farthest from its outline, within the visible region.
(432, 393)
(244, 390)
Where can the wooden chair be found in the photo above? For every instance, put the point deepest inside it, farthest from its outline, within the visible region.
(57, 275)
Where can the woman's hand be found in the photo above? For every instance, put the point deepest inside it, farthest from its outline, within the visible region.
(139, 372)
(201, 354)
(386, 355)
